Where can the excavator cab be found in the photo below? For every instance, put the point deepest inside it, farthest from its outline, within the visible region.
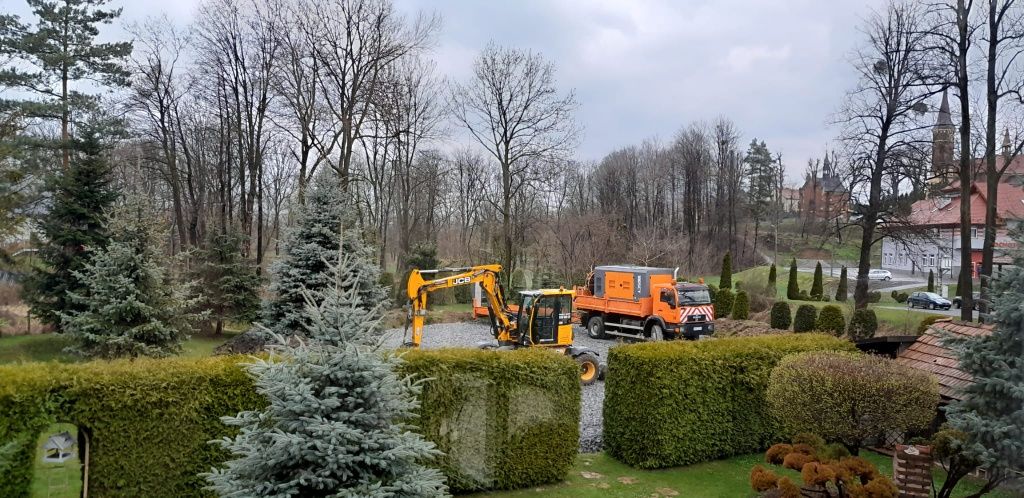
(545, 318)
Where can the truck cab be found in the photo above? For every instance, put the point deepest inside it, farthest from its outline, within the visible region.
(686, 309)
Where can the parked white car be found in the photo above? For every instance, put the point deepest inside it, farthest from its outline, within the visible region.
(879, 275)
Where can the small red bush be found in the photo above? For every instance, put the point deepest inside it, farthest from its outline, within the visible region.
(857, 467)
(817, 474)
(881, 487)
(787, 489)
(796, 461)
(777, 453)
(804, 448)
(762, 479)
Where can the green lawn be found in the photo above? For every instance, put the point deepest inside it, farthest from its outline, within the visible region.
(758, 275)
(597, 475)
(50, 347)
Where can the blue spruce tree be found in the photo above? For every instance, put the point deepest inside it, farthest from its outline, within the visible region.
(991, 412)
(336, 421)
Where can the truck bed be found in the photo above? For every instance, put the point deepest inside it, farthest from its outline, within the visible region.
(586, 302)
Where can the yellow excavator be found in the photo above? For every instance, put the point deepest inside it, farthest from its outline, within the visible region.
(544, 319)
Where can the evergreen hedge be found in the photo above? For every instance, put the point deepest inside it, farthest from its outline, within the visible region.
(806, 318)
(679, 403)
(841, 289)
(817, 286)
(781, 316)
(724, 299)
(506, 419)
(741, 306)
(863, 324)
(831, 320)
(793, 285)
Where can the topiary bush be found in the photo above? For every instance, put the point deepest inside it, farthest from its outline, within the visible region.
(841, 289)
(831, 321)
(741, 306)
(771, 287)
(806, 318)
(724, 300)
(863, 324)
(712, 391)
(792, 285)
(762, 479)
(850, 398)
(874, 296)
(504, 419)
(725, 280)
(931, 281)
(804, 296)
(781, 317)
(817, 286)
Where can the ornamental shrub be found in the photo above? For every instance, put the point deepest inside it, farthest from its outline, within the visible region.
(796, 460)
(841, 289)
(713, 391)
(927, 322)
(931, 281)
(725, 281)
(817, 286)
(741, 307)
(777, 452)
(803, 295)
(863, 324)
(850, 398)
(724, 300)
(793, 285)
(808, 443)
(762, 479)
(713, 292)
(831, 321)
(874, 296)
(772, 288)
(806, 318)
(781, 317)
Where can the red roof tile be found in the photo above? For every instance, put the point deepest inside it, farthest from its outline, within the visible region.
(945, 209)
(930, 355)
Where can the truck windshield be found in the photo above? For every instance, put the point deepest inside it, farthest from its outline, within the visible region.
(694, 296)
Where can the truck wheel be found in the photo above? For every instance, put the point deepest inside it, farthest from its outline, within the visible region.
(590, 369)
(657, 333)
(595, 327)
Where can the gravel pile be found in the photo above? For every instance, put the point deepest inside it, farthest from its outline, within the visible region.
(470, 334)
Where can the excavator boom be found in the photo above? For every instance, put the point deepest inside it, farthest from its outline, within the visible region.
(418, 289)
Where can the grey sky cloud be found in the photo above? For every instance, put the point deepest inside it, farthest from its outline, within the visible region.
(642, 69)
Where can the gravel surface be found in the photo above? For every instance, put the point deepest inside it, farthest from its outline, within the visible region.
(469, 334)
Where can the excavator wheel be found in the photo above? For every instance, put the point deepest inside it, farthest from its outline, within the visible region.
(590, 369)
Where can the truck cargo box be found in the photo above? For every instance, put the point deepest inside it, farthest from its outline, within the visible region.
(625, 282)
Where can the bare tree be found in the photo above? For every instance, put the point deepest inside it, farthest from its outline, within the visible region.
(1004, 44)
(881, 120)
(512, 107)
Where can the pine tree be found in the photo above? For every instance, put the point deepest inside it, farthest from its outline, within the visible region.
(325, 222)
(336, 421)
(817, 287)
(230, 283)
(74, 224)
(793, 286)
(990, 412)
(772, 287)
(58, 51)
(725, 282)
(931, 281)
(842, 289)
(129, 306)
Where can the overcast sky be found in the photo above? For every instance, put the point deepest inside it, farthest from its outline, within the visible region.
(640, 69)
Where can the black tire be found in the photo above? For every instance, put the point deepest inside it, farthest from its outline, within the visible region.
(959, 305)
(595, 327)
(887, 279)
(590, 368)
(656, 332)
(931, 306)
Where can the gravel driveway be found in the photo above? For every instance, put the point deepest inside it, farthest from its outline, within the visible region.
(469, 334)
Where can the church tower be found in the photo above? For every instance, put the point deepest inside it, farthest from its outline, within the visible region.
(942, 141)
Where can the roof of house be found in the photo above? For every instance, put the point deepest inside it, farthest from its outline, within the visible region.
(944, 117)
(930, 355)
(945, 209)
(827, 184)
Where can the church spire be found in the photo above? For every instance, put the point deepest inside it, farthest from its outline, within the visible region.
(1006, 142)
(944, 118)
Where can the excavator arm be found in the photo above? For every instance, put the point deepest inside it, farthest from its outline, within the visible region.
(418, 288)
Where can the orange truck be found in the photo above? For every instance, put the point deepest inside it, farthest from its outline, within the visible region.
(644, 303)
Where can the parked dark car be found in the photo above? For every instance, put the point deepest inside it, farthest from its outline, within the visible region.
(928, 300)
(958, 301)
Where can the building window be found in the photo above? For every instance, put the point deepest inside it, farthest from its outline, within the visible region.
(974, 232)
(931, 260)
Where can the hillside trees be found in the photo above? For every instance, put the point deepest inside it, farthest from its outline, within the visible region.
(512, 107)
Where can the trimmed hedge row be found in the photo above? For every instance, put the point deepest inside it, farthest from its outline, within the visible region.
(506, 419)
(149, 421)
(503, 419)
(679, 403)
